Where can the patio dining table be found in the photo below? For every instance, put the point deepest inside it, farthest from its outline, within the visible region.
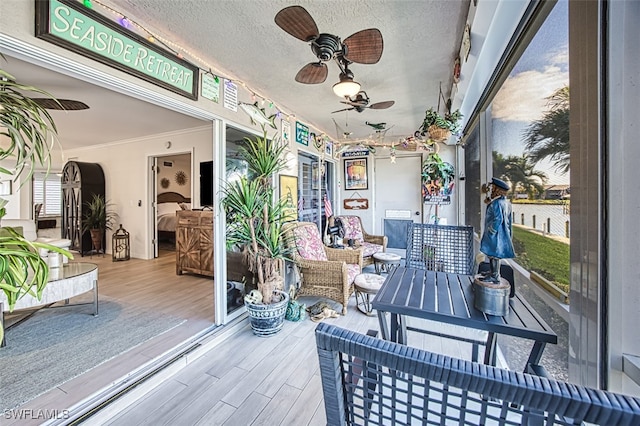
(448, 298)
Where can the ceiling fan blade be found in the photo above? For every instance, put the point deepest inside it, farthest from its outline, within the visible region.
(296, 21)
(382, 105)
(354, 104)
(60, 104)
(340, 110)
(313, 73)
(364, 47)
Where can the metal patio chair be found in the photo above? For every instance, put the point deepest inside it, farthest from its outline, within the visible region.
(369, 381)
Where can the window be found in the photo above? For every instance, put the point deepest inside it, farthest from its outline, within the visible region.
(47, 190)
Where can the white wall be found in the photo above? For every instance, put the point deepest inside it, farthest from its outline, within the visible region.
(177, 163)
(371, 216)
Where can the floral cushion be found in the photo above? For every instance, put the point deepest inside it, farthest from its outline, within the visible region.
(369, 249)
(309, 243)
(352, 272)
(352, 229)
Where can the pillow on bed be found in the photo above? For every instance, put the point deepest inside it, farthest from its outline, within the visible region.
(185, 206)
(168, 208)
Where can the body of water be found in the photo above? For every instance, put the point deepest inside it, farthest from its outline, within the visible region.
(551, 218)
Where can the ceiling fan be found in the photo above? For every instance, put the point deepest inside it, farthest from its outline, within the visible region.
(363, 47)
(60, 104)
(361, 101)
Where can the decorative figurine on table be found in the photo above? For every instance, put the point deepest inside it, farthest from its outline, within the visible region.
(496, 240)
(492, 292)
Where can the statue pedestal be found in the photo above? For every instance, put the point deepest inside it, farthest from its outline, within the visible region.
(491, 298)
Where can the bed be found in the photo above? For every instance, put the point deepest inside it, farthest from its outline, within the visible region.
(168, 204)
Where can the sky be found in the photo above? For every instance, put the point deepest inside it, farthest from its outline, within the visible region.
(542, 69)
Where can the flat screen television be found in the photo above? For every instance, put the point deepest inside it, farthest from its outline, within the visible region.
(206, 183)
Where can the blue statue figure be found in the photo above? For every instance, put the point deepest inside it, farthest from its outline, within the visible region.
(496, 240)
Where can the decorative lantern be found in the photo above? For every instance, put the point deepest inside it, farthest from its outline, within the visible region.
(120, 245)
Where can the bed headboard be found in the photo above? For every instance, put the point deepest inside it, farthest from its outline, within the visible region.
(172, 197)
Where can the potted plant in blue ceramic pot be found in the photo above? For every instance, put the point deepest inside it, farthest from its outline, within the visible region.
(254, 222)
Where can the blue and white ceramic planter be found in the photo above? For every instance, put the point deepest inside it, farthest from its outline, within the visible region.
(267, 320)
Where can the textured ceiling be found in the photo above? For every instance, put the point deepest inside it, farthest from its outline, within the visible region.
(239, 39)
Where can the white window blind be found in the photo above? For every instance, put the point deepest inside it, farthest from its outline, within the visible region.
(48, 191)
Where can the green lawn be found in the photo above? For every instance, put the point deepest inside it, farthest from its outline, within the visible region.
(547, 257)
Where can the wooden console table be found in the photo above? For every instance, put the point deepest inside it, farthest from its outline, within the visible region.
(71, 280)
(194, 242)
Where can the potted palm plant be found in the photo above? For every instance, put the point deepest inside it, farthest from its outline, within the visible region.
(98, 219)
(254, 222)
(29, 128)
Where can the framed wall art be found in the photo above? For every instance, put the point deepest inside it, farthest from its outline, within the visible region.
(302, 134)
(289, 193)
(328, 148)
(356, 174)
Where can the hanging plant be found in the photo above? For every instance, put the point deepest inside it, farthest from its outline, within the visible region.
(164, 182)
(440, 127)
(181, 178)
(437, 175)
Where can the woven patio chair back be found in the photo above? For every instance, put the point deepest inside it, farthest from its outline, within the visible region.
(444, 248)
(369, 381)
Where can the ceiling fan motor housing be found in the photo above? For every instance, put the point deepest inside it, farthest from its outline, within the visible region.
(325, 46)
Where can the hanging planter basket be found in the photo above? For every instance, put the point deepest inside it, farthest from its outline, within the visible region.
(438, 134)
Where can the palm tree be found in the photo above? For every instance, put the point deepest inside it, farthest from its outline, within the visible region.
(521, 173)
(548, 137)
(499, 165)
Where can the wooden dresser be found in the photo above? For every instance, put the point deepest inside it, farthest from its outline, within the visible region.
(194, 242)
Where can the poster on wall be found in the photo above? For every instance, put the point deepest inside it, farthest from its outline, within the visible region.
(302, 134)
(230, 95)
(355, 174)
(289, 194)
(286, 133)
(210, 87)
(328, 148)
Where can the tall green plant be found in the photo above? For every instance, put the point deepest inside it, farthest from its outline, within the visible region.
(28, 127)
(98, 214)
(254, 215)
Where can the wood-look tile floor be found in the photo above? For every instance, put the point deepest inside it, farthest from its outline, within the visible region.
(243, 380)
(135, 284)
(249, 380)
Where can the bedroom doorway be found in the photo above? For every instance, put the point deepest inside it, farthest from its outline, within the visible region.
(173, 187)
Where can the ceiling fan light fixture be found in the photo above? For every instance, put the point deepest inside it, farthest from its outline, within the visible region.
(346, 87)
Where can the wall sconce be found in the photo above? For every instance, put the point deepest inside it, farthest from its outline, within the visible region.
(120, 245)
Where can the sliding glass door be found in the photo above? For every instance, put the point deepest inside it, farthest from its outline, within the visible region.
(315, 180)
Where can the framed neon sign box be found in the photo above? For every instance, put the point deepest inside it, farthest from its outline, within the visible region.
(71, 25)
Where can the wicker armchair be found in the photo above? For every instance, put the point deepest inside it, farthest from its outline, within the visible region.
(325, 272)
(371, 244)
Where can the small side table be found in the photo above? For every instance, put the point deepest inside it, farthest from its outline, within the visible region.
(366, 285)
(385, 262)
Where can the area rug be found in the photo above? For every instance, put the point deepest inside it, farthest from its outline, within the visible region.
(56, 345)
